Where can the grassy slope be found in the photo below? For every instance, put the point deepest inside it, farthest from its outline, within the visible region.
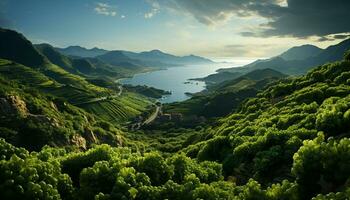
(37, 119)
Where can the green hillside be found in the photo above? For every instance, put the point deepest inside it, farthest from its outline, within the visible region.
(121, 109)
(224, 97)
(218, 77)
(86, 67)
(32, 119)
(294, 131)
(15, 46)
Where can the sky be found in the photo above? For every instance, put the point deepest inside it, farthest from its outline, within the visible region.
(217, 29)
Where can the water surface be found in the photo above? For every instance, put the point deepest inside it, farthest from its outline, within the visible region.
(175, 79)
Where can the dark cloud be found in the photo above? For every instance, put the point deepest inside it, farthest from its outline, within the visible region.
(304, 18)
(342, 36)
(334, 37)
(213, 11)
(297, 18)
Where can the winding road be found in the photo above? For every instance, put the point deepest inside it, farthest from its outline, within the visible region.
(153, 116)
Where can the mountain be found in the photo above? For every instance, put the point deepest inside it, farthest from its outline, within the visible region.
(55, 57)
(193, 59)
(300, 52)
(90, 67)
(154, 58)
(78, 51)
(15, 46)
(160, 58)
(333, 53)
(118, 58)
(297, 66)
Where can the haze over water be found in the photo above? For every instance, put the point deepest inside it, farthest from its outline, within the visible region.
(175, 79)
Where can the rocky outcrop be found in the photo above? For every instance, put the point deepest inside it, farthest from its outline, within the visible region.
(43, 119)
(13, 105)
(78, 141)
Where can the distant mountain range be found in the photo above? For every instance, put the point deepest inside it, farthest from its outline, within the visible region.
(79, 51)
(295, 61)
(154, 58)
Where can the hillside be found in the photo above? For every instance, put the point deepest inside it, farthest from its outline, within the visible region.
(218, 77)
(305, 117)
(32, 119)
(119, 58)
(222, 99)
(14, 46)
(87, 67)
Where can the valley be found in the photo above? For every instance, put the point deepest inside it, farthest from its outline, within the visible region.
(79, 123)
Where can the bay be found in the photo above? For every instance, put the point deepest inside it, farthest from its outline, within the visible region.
(176, 79)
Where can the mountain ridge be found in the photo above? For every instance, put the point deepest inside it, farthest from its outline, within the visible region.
(295, 66)
(155, 57)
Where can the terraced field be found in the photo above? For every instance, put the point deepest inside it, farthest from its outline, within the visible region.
(120, 109)
(16, 72)
(57, 82)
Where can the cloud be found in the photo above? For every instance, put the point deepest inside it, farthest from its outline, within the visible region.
(154, 10)
(250, 50)
(308, 18)
(212, 12)
(292, 18)
(105, 9)
(342, 36)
